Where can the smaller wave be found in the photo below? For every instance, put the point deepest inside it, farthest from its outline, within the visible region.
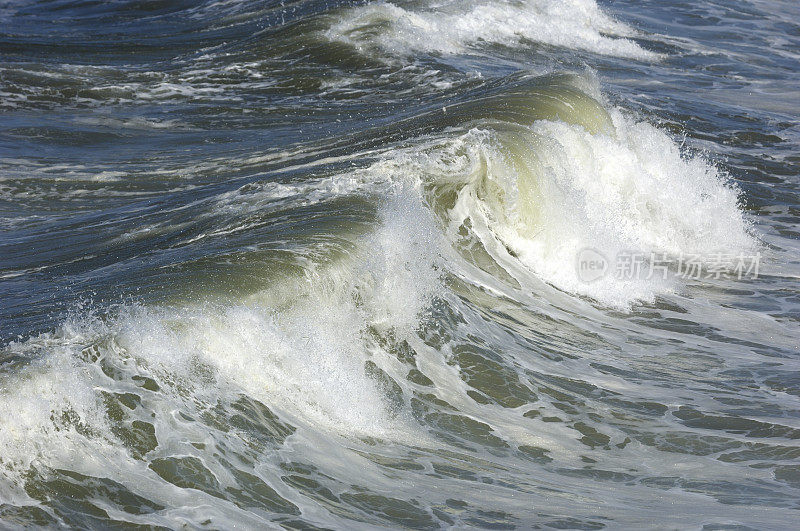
(300, 345)
(453, 27)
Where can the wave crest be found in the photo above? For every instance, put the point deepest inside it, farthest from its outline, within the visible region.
(454, 27)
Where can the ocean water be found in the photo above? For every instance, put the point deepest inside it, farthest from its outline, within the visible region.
(411, 264)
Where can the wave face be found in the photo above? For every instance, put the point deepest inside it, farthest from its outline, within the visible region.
(415, 264)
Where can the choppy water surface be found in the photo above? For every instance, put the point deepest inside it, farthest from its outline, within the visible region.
(319, 264)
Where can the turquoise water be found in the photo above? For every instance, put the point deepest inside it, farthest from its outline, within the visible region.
(355, 265)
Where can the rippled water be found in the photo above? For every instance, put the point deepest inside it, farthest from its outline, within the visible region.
(322, 264)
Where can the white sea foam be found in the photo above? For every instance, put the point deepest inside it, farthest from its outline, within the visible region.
(450, 27)
(635, 193)
(47, 410)
(136, 123)
(299, 346)
(540, 195)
